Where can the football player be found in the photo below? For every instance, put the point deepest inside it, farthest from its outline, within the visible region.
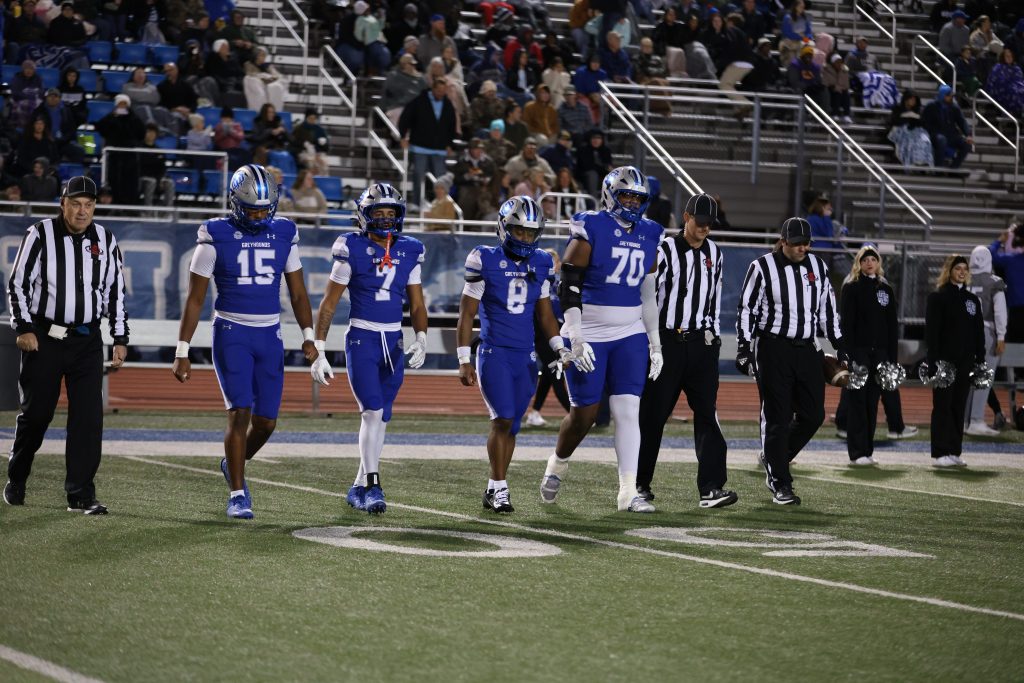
(380, 267)
(608, 294)
(246, 254)
(511, 280)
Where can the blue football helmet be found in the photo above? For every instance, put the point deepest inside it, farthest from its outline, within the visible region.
(253, 189)
(625, 180)
(520, 212)
(380, 196)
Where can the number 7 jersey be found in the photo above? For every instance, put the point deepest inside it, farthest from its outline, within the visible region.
(619, 261)
(377, 293)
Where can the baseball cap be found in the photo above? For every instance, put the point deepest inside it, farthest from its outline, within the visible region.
(52, 91)
(703, 208)
(436, 17)
(959, 14)
(80, 186)
(564, 135)
(476, 142)
(530, 141)
(764, 41)
(569, 90)
(796, 231)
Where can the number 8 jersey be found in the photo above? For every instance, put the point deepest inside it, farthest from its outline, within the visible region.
(508, 290)
(377, 293)
(619, 261)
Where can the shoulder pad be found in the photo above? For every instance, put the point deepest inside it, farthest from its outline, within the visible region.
(340, 248)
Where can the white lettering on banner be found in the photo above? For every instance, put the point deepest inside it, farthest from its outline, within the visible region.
(776, 543)
(9, 246)
(130, 248)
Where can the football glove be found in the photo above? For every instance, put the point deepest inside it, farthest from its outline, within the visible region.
(582, 355)
(321, 370)
(745, 360)
(417, 351)
(657, 363)
(557, 367)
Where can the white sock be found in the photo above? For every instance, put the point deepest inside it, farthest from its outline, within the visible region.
(625, 410)
(371, 441)
(239, 492)
(500, 484)
(557, 466)
(360, 475)
(490, 484)
(627, 482)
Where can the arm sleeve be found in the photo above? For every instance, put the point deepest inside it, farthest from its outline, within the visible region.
(750, 304)
(23, 274)
(649, 308)
(474, 290)
(474, 267)
(341, 272)
(203, 259)
(545, 289)
(294, 262)
(578, 228)
(1000, 315)
(415, 276)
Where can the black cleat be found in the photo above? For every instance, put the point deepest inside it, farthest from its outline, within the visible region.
(488, 499)
(502, 501)
(767, 477)
(718, 498)
(783, 495)
(645, 492)
(14, 494)
(87, 507)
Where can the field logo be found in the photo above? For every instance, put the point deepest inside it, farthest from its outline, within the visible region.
(774, 543)
(502, 546)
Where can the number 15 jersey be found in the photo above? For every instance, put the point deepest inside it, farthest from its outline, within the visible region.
(619, 261)
(377, 293)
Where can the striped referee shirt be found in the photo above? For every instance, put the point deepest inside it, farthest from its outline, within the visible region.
(68, 279)
(689, 285)
(786, 299)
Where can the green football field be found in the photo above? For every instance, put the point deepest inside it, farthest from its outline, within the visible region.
(896, 574)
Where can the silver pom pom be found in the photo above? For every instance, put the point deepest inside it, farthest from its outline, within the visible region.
(890, 375)
(858, 376)
(945, 374)
(982, 376)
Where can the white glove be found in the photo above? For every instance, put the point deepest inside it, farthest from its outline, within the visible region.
(321, 370)
(582, 355)
(557, 366)
(417, 351)
(657, 363)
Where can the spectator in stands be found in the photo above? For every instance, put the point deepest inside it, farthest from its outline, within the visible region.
(62, 125)
(713, 36)
(192, 68)
(557, 79)
(913, 145)
(397, 31)
(574, 116)
(41, 185)
(614, 59)
(37, 144)
(836, 77)
(860, 59)
(649, 69)
(475, 176)
(268, 133)
(453, 69)
(586, 81)
(350, 49)
(593, 162)
(368, 32)
(66, 29)
(804, 77)
(565, 184)
(310, 144)
(428, 126)
(876, 88)
(522, 78)
(559, 154)
(1008, 257)
(228, 136)
(433, 42)
(516, 131)
(524, 41)
(755, 23)
(982, 36)
(1006, 83)
(660, 208)
(146, 101)
(442, 207)
(579, 15)
(540, 117)
(496, 146)
(199, 139)
(949, 132)
(734, 60)
(402, 85)
(224, 67)
(6, 178)
(942, 13)
(669, 38)
(105, 196)
(263, 82)
(26, 94)
(965, 70)
(503, 29)
(485, 107)
(765, 74)
(72, 94)
(954, 35)
(533, 185)
(122, 128)
(796, 28)
(147, 21)
(243, 38)
(153, 180)
(517, 167)
(825, 234)
(1015, 41)
(176, 95)
(27, 28)
(556, 48)
(306, 196)
(198, 31)
(285, 202)
(456, 88)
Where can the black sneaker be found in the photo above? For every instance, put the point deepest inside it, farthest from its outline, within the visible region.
(14, 494)
(767, 476)
(502, 501)
(488, 499)
(783, 495)
(718, 498)
(87, 507)
(645, 492)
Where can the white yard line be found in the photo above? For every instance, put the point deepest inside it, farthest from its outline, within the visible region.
(935, 602)
(43, 667)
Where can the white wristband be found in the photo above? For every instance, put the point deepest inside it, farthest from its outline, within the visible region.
(182, 350)
(320, 344)
(307, 334)
(463, 352)
(421, 337)
(556, 343)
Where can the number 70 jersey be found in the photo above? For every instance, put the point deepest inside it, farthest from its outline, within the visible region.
(619, 259)
(377, 293)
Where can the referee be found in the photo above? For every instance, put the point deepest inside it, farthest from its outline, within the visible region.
(786, 299)
(67, 275)
(689, 280)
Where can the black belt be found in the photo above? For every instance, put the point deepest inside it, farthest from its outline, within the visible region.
(687, 335)
(792, 342)
(43, 327)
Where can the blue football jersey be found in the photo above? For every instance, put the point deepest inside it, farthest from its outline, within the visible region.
(248, 268)
(510, 293)
(619, 258)
(378, 293)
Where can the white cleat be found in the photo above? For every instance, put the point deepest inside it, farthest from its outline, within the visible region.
(979, 428)
(534, 419)
(945, 461)
(864, 461)
(637, 504)
(908, 431)
(549, 487)
(959, 461)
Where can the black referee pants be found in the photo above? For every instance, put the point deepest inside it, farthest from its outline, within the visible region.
(78, 361)
(792, 391)
(691, 367)
(948, 408)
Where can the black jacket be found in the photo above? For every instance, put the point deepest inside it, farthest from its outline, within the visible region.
(953, 326)
(177, 94)
(423, 128)
(867, 309)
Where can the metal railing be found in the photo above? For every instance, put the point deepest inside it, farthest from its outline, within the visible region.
(346, 100)
(889, 33)
(885, 182)
(1014, 144)
(302, 40)
(914, 59)
(581, 201)
(373, 139)
(172, 152)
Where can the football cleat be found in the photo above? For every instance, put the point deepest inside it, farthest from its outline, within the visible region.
(502, 501)
(638, 504)
(227, 476)
(488, 499)
(645, 492)
(375, 504)
(239, 507)
(356, 497)
(14, 494)
(87, 507)
(783, 495)
(718, 498)
(534, 419)
(549, 487)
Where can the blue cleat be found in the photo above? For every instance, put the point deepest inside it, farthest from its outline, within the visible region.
(240, 507)
(375, 504)
(356, 497)
(227, 478)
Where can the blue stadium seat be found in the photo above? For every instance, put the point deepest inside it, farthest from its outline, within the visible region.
(283, 160)
(88, 79)
(155, 78)
(288, 179)
(167, 142)
(186, 180)
(210, 114)
(246, 117)
(97, 109)
(132, 53)
(8, 72)
(113, 81)
(50, 76)
(67, 170)
(286, 119)
(213, 182)
(164, 53)
(330, 186)
(99, 51)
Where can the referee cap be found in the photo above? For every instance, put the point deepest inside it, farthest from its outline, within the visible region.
(703, 208)
(796, 230)
(80, 186)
